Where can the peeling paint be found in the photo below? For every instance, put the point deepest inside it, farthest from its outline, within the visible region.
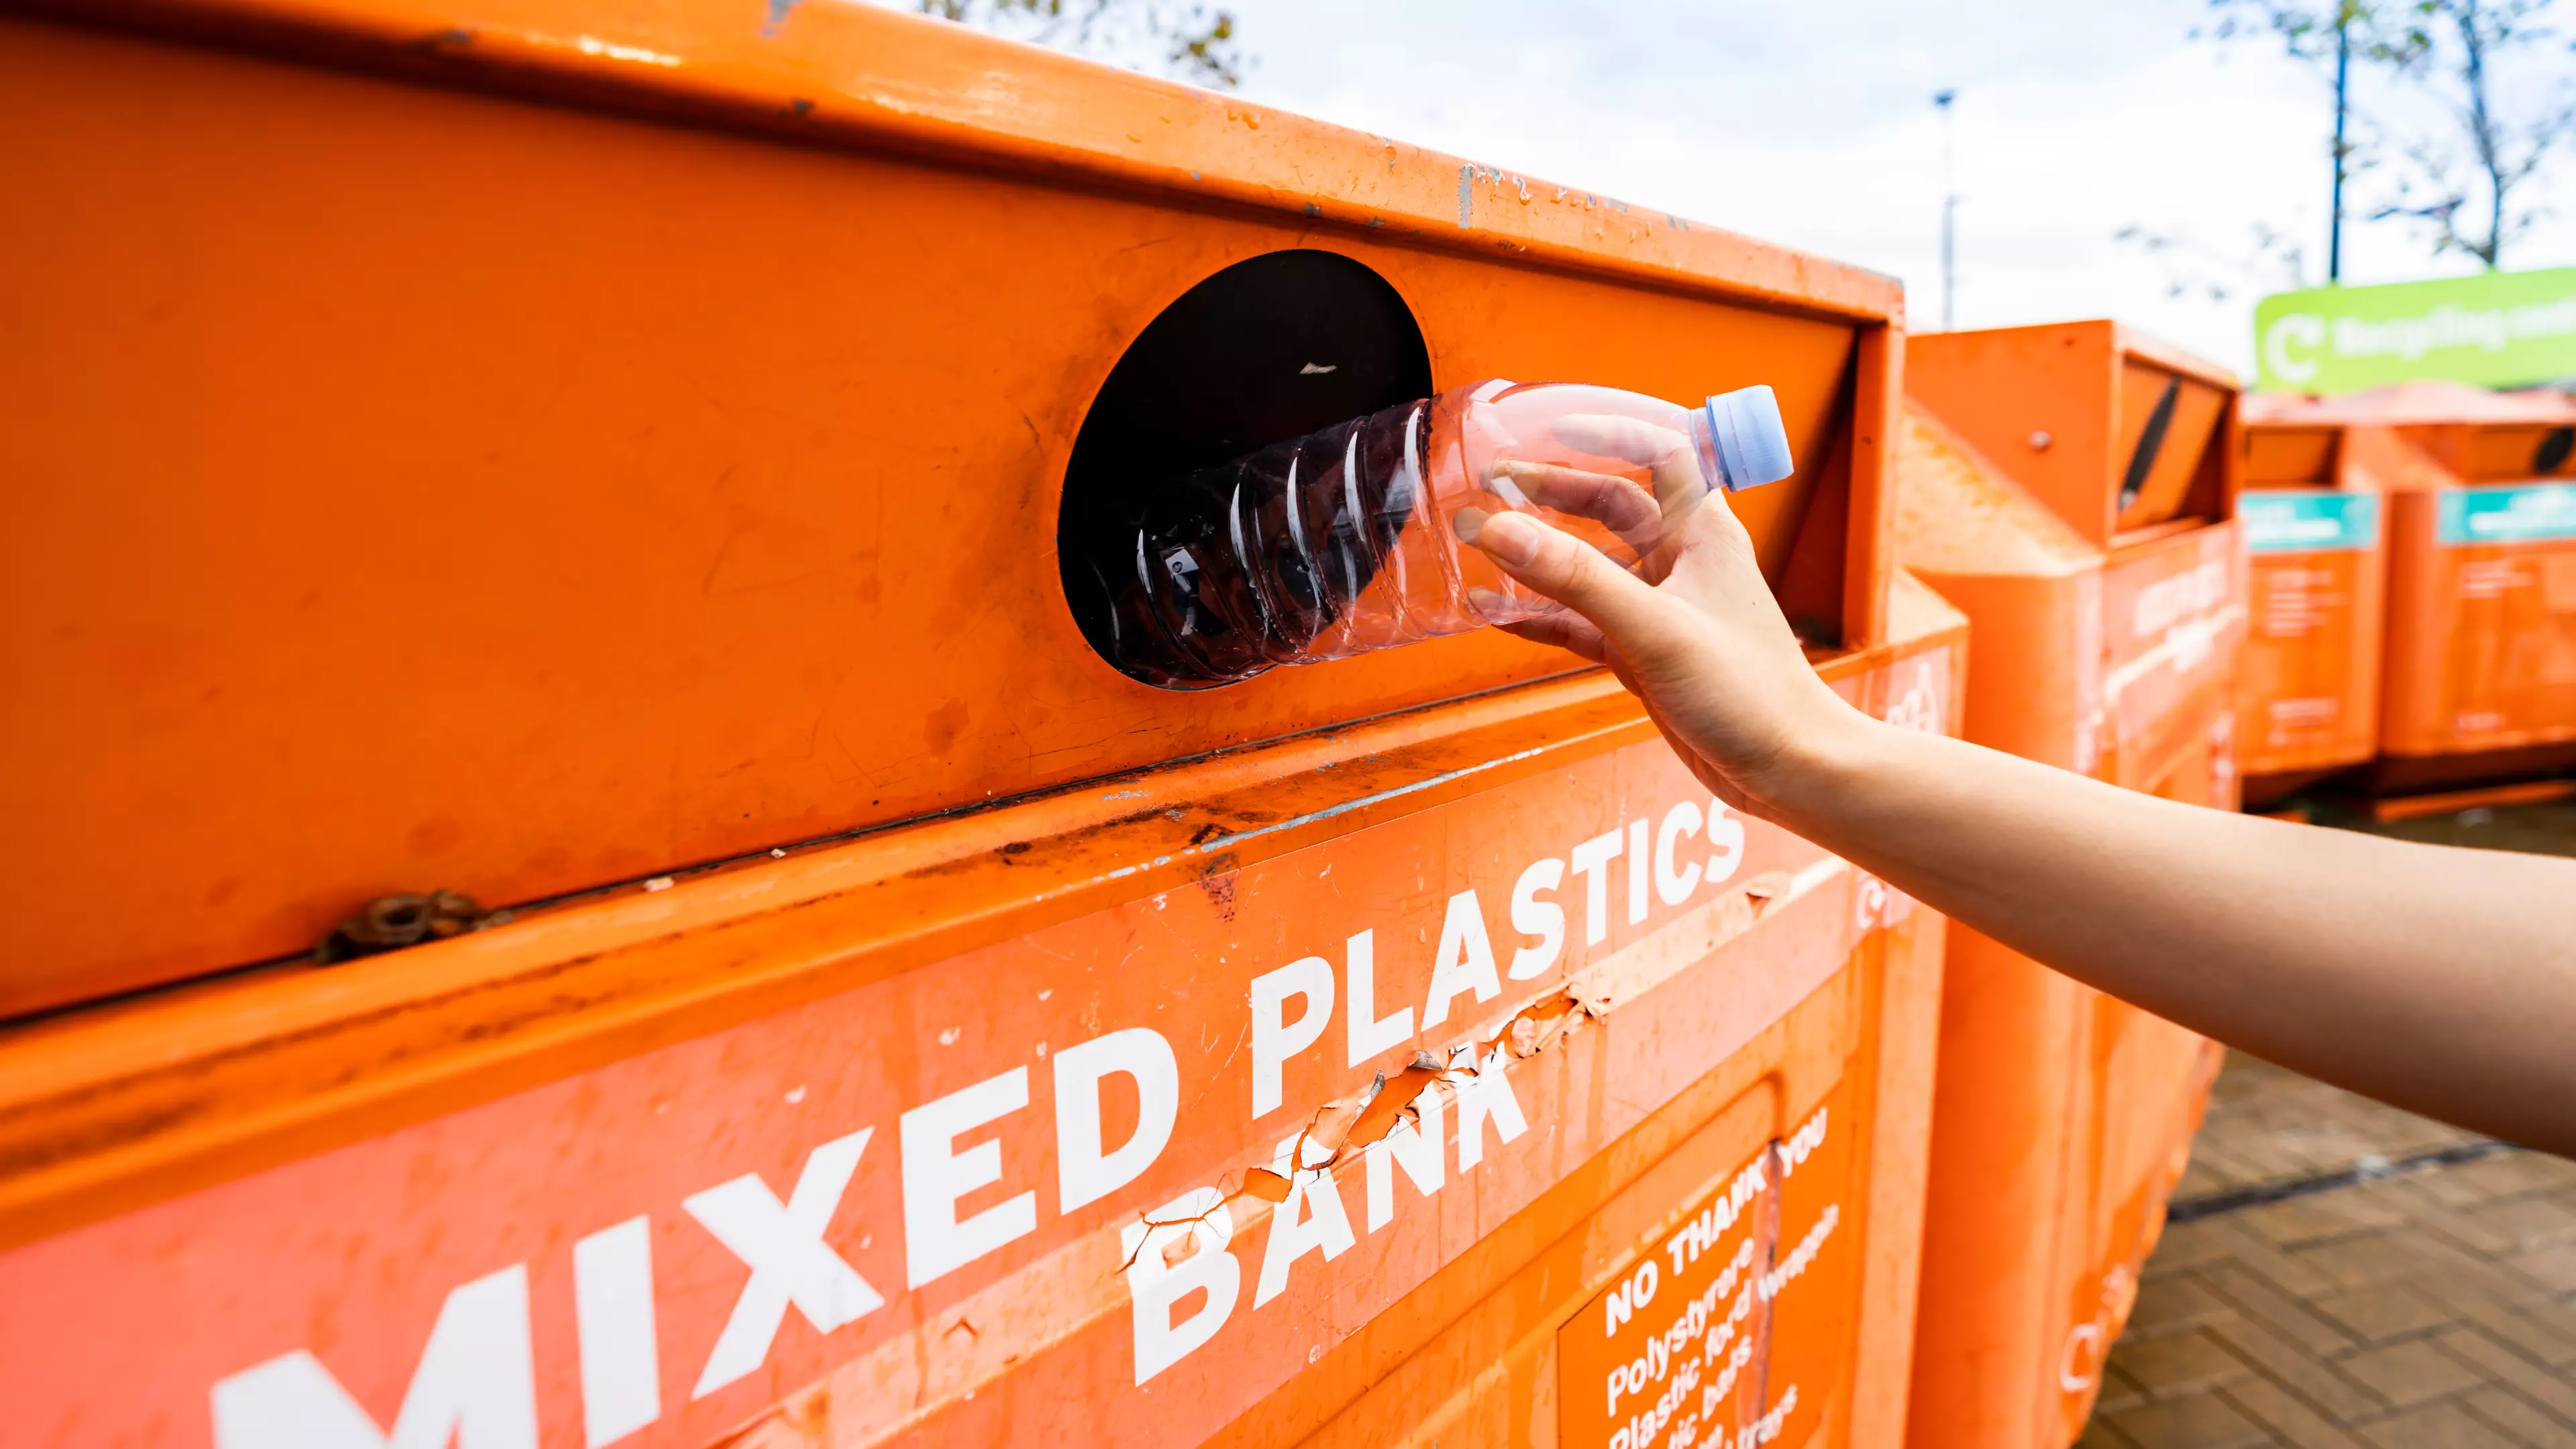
(1346, 1126)
(593, 45)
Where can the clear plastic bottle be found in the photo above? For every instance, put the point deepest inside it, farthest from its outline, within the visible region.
(1361, 536)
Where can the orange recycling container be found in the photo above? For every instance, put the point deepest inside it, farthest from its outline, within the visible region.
(2481, 631)
(2312, 508)
(620, 466)
(2068, 487)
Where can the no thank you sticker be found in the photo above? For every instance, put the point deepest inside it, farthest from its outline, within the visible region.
(1689, 1346)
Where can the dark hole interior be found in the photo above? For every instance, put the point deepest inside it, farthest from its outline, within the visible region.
(2553, 450)
(1268, 349)
(2151, 442)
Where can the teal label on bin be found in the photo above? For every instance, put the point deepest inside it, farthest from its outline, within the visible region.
(2308, 520)
(2514, 513)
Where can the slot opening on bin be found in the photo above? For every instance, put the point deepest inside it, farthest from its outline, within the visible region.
(1270, 348)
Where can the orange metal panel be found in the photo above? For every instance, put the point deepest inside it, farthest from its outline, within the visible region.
(2107, 643)
(2310, 699)
(2311, 686)
(2081, 398)
(2279, 455)
(898, 1068)
(616, 441)
(2173, 637)
(2481, 637)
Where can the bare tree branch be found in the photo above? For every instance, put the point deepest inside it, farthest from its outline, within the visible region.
(1196, 43)
(2466, 186)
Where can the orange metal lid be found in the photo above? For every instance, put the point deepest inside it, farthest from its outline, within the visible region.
(2113, 429)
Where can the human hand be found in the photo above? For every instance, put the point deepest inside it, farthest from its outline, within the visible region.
(1707, 648)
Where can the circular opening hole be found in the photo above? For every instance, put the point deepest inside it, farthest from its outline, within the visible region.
(1268, 349)
(2553, 450)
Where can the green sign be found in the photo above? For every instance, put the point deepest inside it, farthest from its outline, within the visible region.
(2498, 329)
(2282, 520)
(2516, 513)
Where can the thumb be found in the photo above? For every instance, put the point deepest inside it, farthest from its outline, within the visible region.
(1623, 606)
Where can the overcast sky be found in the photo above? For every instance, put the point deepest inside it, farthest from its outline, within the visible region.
(1811, 124)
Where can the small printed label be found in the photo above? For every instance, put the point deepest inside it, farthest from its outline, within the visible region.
(2308, 520)
(2514, 513)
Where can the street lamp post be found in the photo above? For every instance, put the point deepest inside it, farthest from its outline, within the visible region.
(1950, 210)
(2343, 81)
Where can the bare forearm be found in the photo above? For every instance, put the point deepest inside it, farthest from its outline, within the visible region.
(2441, 980)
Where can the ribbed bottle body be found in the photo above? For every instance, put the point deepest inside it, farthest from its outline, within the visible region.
(1360, 536)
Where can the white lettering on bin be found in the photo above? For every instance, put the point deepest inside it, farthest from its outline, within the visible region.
(790, 1262)
(1310, 1220)
(1534, 917)
(475, 1386)
(1370, 1035)
(1274, 1037)
(1415, 1146)
(1639, 855)
(1675, 886)
(1084, 1172)
(1726, 840)
(612, 1299)
(1592, 862)
(1155, 1287)
(1465, 961)
(936, 1242)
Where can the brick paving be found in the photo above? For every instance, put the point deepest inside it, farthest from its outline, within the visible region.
(2431, 1309)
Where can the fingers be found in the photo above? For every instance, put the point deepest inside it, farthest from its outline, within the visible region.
(1621, 606)
(1566, 630)
(1469, 524)
(1624, 507)
(1675, 462)
(1608, 435)
(1713, 538)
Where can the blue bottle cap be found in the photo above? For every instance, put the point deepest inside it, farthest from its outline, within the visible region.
(1752, 443)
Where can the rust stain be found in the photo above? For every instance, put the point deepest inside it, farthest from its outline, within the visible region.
(943, 727)
(454, 37)
(1220, 893)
